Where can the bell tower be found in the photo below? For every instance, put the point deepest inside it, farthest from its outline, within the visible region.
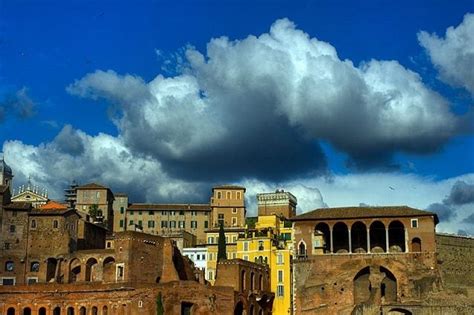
(6, 174)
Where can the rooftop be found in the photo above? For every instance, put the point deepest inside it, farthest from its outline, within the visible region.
(92, 186)
(164, 206)
(228, 187)
(362, 212)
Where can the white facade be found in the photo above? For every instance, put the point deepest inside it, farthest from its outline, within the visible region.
(198, 255)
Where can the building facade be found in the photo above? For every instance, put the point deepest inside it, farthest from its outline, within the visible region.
(281, 203)
(91, 195)
(30, 193)
(228, 206)
(120, 206)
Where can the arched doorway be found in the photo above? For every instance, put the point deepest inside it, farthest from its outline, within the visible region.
(95, 311)
(340, 236)
(70, 310)
(42, 311)
(109, 269)
(82, 311)
(91, 266)
(324, 229)
(26, 311)
(396, 237)
(57, 311)
(105, 310)
(359, 238)
(74, 270)
(302, 249)
(377, 237)
(388, 287)
(416, 245)
(362, 286)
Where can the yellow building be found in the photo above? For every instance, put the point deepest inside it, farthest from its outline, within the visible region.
(268, 242)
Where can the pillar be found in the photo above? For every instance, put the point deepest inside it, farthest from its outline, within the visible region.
(350, 241)
(406, 241)
(368, 240)
(386, 240)
(331, 238)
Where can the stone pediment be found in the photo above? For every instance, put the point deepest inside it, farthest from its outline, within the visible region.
(28, 195)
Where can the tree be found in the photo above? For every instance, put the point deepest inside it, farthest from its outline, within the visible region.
(95, 212)
(221, 249)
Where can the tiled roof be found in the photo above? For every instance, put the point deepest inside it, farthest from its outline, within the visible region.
(362, 212)
(228, 187)
(92, 186)
(176, 206)
(53, 205)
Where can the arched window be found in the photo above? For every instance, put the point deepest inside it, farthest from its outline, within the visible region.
(302, 249)
(33, 224)
(340, 234)
(82, 310)
(9, 265)
(359, 237)
(70, 310)
(416, 245)
(57, 311)
(55, 224)
(26, 311)
(242, 281)
(42, 311)
(396, 237)
(35, 266)
(11, 311)
(377, 237)
(105, 310)
(95, 311)
(323, 228)
(252, 281)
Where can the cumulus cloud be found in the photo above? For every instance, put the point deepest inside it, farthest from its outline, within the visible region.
(461, 193)
(453, 55)
(444, 212)
(18, 104)
(259, 106)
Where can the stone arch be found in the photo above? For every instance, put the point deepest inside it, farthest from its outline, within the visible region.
(57, 310)
(91, 266)
(82, 310)
(396, 236)
(109, 269)
(416, 245)
(26, 311)
(377, 237)
(359, 237)
(302, 249)
(94, 310)
(324, 229)
(252, 281)
(388, 287)
(75, 269)
(70, 310)
(243, 280)
(11, 311)
(340, 236)
(51, 265)
(42, 311)
(105, 310)
(362, 286)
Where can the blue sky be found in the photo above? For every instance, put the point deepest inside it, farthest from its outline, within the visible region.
(58, 100)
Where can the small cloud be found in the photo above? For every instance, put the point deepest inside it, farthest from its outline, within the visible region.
(53, 124)
(444, 212)
(18, 104)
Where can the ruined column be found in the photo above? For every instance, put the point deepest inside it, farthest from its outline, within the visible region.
(386, 241)
(350, 241)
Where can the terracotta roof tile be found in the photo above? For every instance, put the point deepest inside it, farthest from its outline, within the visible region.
(362, 212)
(53, 205)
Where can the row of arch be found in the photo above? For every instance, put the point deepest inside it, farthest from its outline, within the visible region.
(90, 271)
(94, 310)
(360, 238)
(252, 284)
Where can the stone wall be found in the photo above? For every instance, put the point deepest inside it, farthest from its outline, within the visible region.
(456, 260)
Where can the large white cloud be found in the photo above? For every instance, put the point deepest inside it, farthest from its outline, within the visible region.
(453, 55)
(282, 91)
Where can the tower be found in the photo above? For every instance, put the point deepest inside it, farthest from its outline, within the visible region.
(282, 203)
(6, 174)
(228, 206)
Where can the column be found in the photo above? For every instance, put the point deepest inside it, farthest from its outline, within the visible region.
(386, 240)
(332, 245)
(368, 240)
(350, 241)
(406, 241)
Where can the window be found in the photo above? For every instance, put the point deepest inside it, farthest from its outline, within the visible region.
(181, 212)
(246, 246)
(131, 222)
(210, 240)
(280, 276)
(122, 210)
(194, 213)
(140, 223)
(9, 266)
(234, 221)
(164, 212)
(8, 281)
(151, 224)
(151, 212)
(35, 266)
(226, 239)
(32, 280)
(164, 224)
(131, 212)
(280, 290)
(234, 210)
(210, 275)
(194, 224)
(206, 224)
(181, 224)
(414, 223)
(6, 245)
(55, 224)
(220, 218)
(260, 245)
(121, 223)
(234, 239)
(139, 213)
(280, 259)
(228, 195)
(173, 224)
(219, 195)
(12, 229)
(238, 195)
(172, 212)
(33, 224)
(246, 257)
(120, 272)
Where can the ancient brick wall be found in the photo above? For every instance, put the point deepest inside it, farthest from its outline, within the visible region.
(456, 260)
